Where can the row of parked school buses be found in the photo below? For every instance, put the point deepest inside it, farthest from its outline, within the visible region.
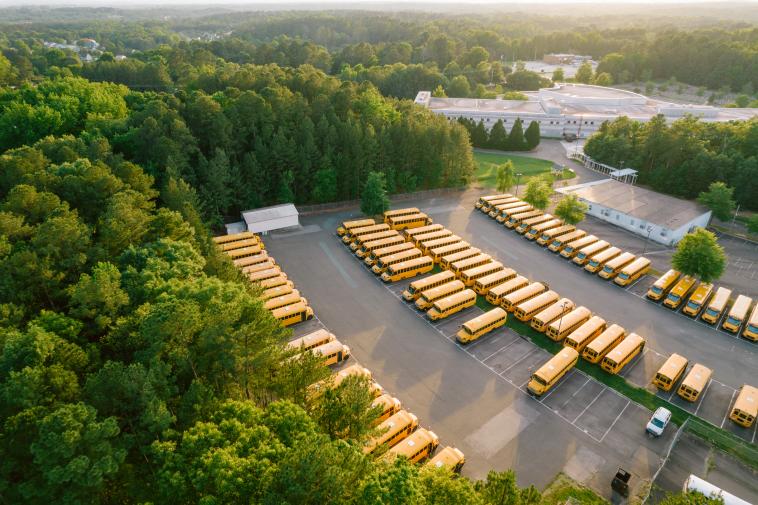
(706, 301)
(248, 253)
(595, 255)
(399, 433)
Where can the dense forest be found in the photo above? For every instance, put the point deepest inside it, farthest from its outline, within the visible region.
(684, 158)
(399, 53)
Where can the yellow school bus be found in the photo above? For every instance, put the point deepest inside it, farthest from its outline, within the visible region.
(663, 285)
(389, 214)
(349, 225)
(538, 229)
(542, 319)
(586, 333)
(386, 261)
(716, 306)
(382, 252)
(270, 293)
(481, 325)
(527, 224)
(412, 232)
(332, 382)
(244, 252)
(293, 314)
(332, 352)
(409, 221)
(451, 304)
(356, 233)
(679, 292)
(509, 302)
(471, 275)
(571, 249)
(598, 348)
(472, 262)
(516, 219)
(427, 245)
(526, 310)
(449, 259)
(551, 372)
(239, 244)
(670, 372)
(623, 353)
(418, 446)
(562, 327)
(288, 299)
(392, 430)
(275, 282)
(408, 269)
(737, 314)
(612, 267)
(449, 457)
(234, 237)
(311, 340)
(632, 271)
(548, 236)
(483, 285)
(389, 405)
(745, 408)
(511, 203)
(262, 275)
(484, 199)
(558, 243)
(368, 247)
(599, 260)
(429, 296)
(751, 328)
(496, 294)
(695, 382)
(487, 207)
(357, 244)
(428, 237)
(437, 253)
(253, 260)
(509, 210)
(698, 299)
(417, 288)
(587, 252)
(491, 198)
(257, 267)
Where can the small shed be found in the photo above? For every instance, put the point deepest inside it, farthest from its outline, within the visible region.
(271, 218)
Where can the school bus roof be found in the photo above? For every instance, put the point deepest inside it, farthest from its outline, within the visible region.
(698, 377)
(673, 364)
(747, 400)
(667, 278)
(401, 212)
(485, 319)
(630, 342)
(320, 335)
(419, 438)
(451, 300)
(427, 281)
(233, 237)
(414, 262)
(556, 364)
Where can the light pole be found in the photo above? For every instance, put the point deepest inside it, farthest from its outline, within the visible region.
(563, 310)
(518, 178)
(649, 230)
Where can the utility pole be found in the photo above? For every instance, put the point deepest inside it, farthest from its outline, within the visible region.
(518, 178)
(649, 231)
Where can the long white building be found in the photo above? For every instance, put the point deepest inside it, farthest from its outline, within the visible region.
(573, 109)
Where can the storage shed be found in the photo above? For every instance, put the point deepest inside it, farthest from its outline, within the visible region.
(271, 218)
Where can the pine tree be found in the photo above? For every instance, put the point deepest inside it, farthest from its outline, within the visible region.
(374, 199)
(532, 135)
(498, 137)
(479, 136)
(516, 140)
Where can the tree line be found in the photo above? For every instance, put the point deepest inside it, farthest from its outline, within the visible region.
(498, 138)
(684, 158)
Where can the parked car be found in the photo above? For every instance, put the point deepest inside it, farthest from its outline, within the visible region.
(658, 422)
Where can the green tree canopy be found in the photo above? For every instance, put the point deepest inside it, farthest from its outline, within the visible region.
(718, 198)
(538, 193)
(571, 209)
(699, 254)
(584, 73)
(374, 199)
(506, 176)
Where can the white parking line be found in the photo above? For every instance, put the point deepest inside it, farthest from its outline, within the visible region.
(576, 392)
(728, 407)
(520, 360)
(564, 379)
(755, 429)
(702, 398)
(501, 349)
(588, 406)
(614, 422)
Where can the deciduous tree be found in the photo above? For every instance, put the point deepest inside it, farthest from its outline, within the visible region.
(699, 254)
(571, 209)
(718, 198)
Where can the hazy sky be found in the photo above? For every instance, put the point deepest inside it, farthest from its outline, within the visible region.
(331, 3)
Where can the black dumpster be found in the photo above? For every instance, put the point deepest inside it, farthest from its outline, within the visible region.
(620, 482)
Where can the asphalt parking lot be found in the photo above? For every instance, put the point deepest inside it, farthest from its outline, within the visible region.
(474, 397)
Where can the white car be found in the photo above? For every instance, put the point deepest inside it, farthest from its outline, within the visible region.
(658, 422)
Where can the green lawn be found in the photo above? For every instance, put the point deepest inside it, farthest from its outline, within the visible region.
(486, 166)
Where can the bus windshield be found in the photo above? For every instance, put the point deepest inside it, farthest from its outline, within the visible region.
(623, 276)
(712, 312)
(733, 320)
(692, 305)
(657, 290)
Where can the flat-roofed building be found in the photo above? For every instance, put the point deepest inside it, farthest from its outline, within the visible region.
(573, 109)
(662, 218)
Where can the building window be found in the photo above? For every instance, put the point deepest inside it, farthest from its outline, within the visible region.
(632, 222)
(663, 233)
(589, 207)
(618, 216)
